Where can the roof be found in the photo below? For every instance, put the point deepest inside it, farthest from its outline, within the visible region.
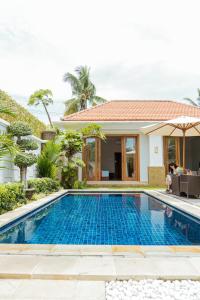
(135, 110)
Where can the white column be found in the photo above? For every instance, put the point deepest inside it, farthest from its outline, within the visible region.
(155, 151)
(144, 157)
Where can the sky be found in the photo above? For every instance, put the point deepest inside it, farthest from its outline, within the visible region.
(136, 49)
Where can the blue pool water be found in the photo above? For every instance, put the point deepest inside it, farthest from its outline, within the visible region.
(105, 219)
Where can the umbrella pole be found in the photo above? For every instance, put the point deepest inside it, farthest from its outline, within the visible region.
(183, 150)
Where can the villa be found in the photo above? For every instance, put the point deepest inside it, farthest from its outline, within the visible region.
(128, 155)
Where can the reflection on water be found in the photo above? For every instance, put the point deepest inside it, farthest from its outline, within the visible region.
(135, 219)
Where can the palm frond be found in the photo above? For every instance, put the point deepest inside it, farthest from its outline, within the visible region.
(74, 82)
(191, 101)
(72, 106)
(97, 100)
(82, 71)
(41, 96)
(7, 145)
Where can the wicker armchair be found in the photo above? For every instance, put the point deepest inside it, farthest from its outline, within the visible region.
(175, 185)
(190, 185)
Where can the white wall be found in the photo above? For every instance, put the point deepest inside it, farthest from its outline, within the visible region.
(155, 151)
(10, 172)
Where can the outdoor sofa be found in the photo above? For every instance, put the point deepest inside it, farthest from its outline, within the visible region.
(187, 184)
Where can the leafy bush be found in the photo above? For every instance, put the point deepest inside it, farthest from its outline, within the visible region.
(79, 185)
(11, 194)
(20, 114)
(44, 185)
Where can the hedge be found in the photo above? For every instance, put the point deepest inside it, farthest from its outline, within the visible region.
(20, 114)
(44, 185)
(11, 195)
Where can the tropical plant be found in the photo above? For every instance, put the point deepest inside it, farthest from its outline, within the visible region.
(46, 162)
(194, 102)
(7, 147)
(43, 97)
(72, 143)
(83, 91)
(23, 159)
(20, 113)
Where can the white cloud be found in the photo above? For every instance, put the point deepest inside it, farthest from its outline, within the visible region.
(135, 48)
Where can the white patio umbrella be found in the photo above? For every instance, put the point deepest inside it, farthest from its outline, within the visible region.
(182, 126)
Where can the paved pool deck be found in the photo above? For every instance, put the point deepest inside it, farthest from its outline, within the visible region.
(98, 263)
(23, 289)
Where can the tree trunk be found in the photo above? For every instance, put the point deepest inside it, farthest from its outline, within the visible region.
(83, 104)
(23, 177)
(48, 115)
(21, 174)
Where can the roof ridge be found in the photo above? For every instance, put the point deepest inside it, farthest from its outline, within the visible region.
(146, 100)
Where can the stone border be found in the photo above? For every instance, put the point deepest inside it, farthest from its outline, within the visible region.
(98, 250)
(183, 206)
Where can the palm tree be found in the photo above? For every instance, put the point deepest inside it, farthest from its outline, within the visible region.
(43, 97)
(195, 102)
(83, 91)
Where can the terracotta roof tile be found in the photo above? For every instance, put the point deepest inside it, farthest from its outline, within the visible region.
(135, 110)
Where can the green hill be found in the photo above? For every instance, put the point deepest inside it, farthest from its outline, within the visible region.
(21, 114)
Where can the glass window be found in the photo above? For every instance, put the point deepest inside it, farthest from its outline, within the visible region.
(90, 161)
(171, 150)
(130, 145)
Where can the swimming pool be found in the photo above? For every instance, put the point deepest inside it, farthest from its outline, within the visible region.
(104, 219)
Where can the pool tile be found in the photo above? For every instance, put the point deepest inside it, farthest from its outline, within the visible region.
(105, 219)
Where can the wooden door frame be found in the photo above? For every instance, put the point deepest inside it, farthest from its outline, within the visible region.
(98, 158)
(97, 175)
(136, 160)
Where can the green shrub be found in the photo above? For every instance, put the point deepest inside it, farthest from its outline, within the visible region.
(19, 129)
(23, 159)
(11, 195)
(27, 144)
(44, 185)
